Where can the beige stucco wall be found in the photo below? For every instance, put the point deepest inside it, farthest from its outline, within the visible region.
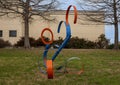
(7, 24)
(83, 28)
(88, 31)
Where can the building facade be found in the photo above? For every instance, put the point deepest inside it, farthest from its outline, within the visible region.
(12, 29)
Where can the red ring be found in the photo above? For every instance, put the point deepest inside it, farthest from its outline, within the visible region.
(42, 37)
(49, 65)
(75, 14)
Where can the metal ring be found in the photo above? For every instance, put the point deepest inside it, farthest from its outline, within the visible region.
(42, 37)
(75, 14)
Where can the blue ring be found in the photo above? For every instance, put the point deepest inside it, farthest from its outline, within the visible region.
(68, 36)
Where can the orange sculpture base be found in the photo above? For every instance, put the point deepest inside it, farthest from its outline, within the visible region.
(49, 65)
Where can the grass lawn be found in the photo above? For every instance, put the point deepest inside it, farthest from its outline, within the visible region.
(20, 67)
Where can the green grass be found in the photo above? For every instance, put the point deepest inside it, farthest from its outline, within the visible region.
(20, 67)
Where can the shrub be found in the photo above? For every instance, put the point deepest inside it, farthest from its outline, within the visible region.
(4, 43)
(39, 42)
(76, 43)
(20, 43)
(90, 45)
(59, 41)
(111, 46)
(33, 42)
(102, 42)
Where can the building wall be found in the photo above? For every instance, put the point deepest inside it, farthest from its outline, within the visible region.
(83, 28)
(7, 24)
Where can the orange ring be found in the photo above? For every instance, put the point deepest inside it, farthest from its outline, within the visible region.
(49, 69)
(42, 37)
(75, 14)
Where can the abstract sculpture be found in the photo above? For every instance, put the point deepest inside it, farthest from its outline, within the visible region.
(48, 64)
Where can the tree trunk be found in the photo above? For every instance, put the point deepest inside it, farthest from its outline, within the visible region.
(26, 24)
(26, 35)
(116, 46)
(115, 26)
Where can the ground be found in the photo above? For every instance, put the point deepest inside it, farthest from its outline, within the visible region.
(20, 67)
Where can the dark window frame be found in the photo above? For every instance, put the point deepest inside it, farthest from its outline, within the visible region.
(1, 33)
(12, 33)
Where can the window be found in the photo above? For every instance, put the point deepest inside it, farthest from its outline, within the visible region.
(12, 33)
(1, 33)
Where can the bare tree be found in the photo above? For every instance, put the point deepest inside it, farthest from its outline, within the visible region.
(26, 9)
(111, 9)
